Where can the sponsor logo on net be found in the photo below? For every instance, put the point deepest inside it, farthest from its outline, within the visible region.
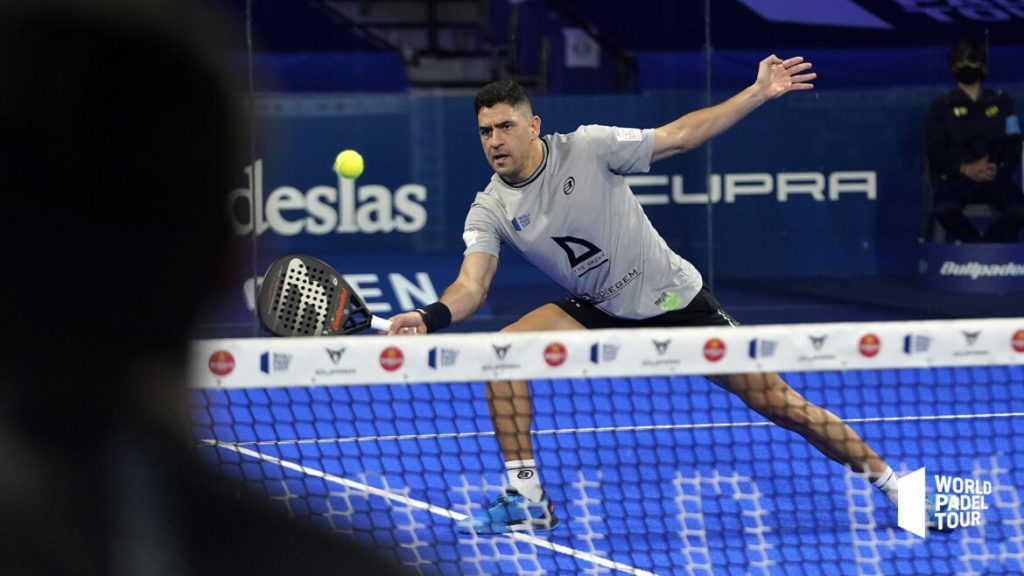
(975, 270)
(916, 343)
(714, 350)
(762, 348)
(442, 357)
(222, 363)
(555, 354)
(500, 353)
(818, 343)
(1018, 340)
(869, 345)
(604, 353)
(970, 339)
(391, 358)
(661, 347)
(334, 355)
(275, 362)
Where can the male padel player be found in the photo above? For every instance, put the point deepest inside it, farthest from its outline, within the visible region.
(562, 201)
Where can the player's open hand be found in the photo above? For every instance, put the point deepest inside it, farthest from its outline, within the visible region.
(406, 324)
(775, 77)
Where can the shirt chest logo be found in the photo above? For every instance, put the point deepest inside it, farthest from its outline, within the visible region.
(521, 222)
(584, 257)
(569, 185)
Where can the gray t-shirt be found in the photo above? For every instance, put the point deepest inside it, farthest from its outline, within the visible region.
(578, 221)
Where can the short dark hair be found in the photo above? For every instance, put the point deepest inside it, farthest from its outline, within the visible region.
(968, 50)
(501, 92)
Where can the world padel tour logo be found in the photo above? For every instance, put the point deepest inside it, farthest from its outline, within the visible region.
(604, 353)
(442, 357)
(221, 363)
(957, 502)
(916, 343)
(869, 345)
(555, 354)
(274, 362)
(391, 359)
(1018, 341)
(762, 348)
(714, 350)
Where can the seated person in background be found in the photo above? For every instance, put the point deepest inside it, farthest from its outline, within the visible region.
(974, 145)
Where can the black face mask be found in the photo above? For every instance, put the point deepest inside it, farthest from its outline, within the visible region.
(969, 75)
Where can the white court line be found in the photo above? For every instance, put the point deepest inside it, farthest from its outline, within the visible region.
(652, 427)
(420, 505)
(444, 512)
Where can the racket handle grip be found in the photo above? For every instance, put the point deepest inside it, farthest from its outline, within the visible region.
(378, 323)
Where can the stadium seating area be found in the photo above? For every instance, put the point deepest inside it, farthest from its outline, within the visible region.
(580, 46)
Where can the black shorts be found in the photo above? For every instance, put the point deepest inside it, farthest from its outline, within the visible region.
(704, 310)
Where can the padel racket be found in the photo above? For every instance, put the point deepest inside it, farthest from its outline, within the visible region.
(304, 296)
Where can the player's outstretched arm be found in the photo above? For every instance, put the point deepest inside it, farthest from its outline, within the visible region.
(775, 77)
(462, 298)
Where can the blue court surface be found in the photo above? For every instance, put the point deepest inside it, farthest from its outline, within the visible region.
(649, 475)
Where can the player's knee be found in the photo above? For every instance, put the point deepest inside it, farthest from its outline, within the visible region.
(522, 324)
(547, 317)
(514, 327)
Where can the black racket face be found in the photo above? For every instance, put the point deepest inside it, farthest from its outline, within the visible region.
(303, 296)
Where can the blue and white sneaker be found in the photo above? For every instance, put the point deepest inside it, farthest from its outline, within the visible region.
(511, 512)
(932, 520)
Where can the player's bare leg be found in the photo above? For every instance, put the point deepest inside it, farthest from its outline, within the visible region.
(512, 415)
(770, 396)
(509, 400)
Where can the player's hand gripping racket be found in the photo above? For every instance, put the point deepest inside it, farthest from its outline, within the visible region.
(304, 296)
